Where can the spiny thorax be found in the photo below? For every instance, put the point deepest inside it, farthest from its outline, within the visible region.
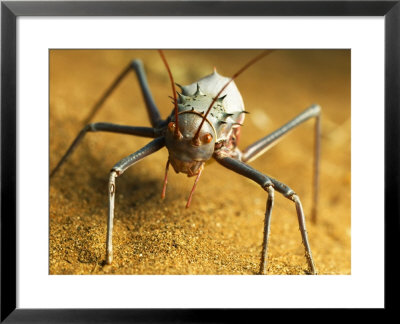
(199, 102)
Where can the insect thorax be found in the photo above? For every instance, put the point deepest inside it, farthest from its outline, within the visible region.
(227, 111)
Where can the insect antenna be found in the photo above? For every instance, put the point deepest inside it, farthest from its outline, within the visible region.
(173, 91)
(165, 181)
(194, 186)
(196, 140)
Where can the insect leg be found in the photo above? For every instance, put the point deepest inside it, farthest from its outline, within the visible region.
(116, 171)
(105, 127)
(264, 144)
(269, 184)
(152, 109)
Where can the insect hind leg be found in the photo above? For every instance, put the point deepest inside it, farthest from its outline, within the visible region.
(261, 146)
(152, 110)
(137, 67)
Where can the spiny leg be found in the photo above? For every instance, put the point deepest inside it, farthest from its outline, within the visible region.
(116, 171)
(266, 183)
(152, 110)
(264, 144)
(104, 127)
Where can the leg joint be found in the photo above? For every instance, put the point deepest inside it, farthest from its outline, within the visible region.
(111, 182)
(283, 189)
(290, 194)
(115, 173)
(316, 109)
(90, 127)
(268, 185)
(136, 64)
(294, 197)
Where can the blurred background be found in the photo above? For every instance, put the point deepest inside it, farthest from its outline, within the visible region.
(221, 232)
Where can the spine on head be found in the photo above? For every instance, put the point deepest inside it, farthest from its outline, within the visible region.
(245, 67)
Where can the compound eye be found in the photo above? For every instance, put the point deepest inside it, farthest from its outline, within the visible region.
(171, 126)
(207, 138)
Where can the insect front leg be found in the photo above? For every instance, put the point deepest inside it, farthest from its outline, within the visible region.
(269, 184)
(116, 171)
(258, 148)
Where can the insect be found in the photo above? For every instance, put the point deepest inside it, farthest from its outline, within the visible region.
(205, 123)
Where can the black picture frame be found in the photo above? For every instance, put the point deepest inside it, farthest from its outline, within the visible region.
(11, 10)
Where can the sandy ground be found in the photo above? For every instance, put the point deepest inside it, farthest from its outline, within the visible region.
(221, 233)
